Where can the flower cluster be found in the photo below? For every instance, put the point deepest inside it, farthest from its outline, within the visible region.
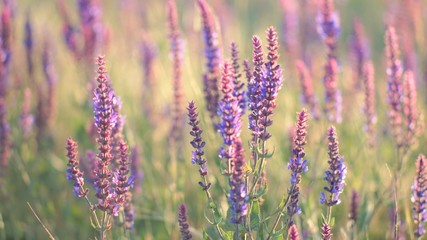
(183, 225)
(198, 144)
(297, 164)
(369, 105)
(264, 86)
(73, 171)
(213, 60)
(232, 151)
(177, 56)
(419, 196)
(394, 86)
(335, 176)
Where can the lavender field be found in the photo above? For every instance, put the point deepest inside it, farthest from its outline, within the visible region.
(213, 119)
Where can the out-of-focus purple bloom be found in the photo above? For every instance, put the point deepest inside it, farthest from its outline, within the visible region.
(183, 224)
(213, 60)
(129, 211)
(369, 106)
(293, 232)
(290, 26)
(333, 98)
(5, 144)
(328, 25)
(148, 55)
(354, 207)
(328, 28)
(135, 169)
(238, 92)
(419, 196)
(26, 119)
(394, 85)
(308, 97)
(410, 107)
(175, 42)
(73, 171)
(92, 27)
(326, 232)
(28, 42)
(335, 176)
(360, 51)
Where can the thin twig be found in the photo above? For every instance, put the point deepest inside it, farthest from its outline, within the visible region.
(38, 219)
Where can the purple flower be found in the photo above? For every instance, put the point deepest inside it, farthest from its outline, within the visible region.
(255, 91)
(326, 232)
(73, 171)
(28, 42)
(328, 24)
(121, 181)
(293, 232)
(360, 51)
(394, 85)
(183, 224)
(198, 144)
(410, 108)
(135, 169)
(297, 164)
(129, 211)
(26, 119)
(238, 92)
(335, 176)
(369, 106)
(419, 196)
(354, 206)
(238, 191)
(5, 144)
(177, 61)
(213, 60)
(105, 120)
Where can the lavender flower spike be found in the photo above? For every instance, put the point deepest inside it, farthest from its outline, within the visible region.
(176, 50)
(105, 120)
(121, 179)
(213, 60)
(198, 144)
(73, 171)
(293, 233)
(394, 85)
(238, 190)
(297, 164)
(183, 225)
(419, 196)
(335, 176)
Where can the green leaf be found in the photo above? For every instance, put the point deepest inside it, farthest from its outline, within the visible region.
(279, 234)
(206, 236)
(255, 216)
(229, 235)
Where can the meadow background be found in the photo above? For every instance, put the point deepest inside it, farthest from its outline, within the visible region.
(37, 163)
